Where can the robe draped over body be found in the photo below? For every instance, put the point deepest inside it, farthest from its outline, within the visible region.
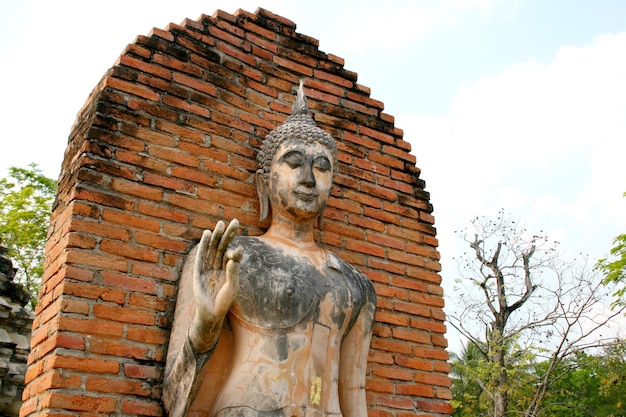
(280, 347)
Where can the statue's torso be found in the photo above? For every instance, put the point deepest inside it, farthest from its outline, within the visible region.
(288, 322)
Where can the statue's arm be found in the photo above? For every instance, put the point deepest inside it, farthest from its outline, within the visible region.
(214, 284)
(353, 361)
(182, 380)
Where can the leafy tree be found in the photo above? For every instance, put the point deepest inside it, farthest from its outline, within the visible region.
(473, 378)
(589, 385)
(615, 270)
(467, 393)
(613, 376)
(26, 197)
(521, 304)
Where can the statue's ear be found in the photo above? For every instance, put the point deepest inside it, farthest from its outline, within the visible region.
(320, 222)
(264, 200)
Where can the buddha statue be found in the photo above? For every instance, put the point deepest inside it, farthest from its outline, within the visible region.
(273, 325)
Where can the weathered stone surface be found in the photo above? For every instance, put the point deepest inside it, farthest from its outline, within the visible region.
(15, 328)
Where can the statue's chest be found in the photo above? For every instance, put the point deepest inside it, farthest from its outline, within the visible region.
(278, 290)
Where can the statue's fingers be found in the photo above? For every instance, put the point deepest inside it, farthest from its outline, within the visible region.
(228, 291)
(227, 237)
(201, 255)
(232, 254)
(215, 240)
(229, 234)
(232, 276)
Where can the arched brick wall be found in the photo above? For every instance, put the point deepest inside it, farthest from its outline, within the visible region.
(164, 148)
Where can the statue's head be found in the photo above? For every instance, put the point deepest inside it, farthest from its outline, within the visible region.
(291, 143)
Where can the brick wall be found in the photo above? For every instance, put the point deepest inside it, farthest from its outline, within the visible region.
(164, 148)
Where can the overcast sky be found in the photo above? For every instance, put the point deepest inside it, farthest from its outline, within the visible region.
(516, 104)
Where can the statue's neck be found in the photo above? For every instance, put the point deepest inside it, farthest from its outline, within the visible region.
(296, 238)
(295, 234)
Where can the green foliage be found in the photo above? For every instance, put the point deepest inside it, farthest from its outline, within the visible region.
(589, 385)
(467, 394)
(26, 197)
(475, 378)
(615, 269)
(582, 385)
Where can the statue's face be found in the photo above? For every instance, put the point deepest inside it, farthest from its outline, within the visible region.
(300, 180)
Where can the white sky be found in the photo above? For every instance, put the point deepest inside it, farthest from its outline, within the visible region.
(517, 104)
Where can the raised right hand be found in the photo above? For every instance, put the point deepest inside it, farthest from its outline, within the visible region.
(215, 283)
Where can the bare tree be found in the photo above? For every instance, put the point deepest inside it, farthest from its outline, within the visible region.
(517, 298)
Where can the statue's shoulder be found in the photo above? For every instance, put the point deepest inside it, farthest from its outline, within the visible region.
(352, 273)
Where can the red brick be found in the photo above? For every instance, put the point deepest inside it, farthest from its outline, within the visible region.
(83, 364)
(424, 275)
(250, 26)
(79, 402)
(153, 271)
(380, 385)
(144, 66)
(414, 363)
(380, 357)
(435, 406)
(383, 216)
(391, 318)
(195, 83)
(431, 353)
(389, 346)
(425, 299)
(175, 64)
(366, 223)
(293, 66)
(103, 198)
(140, 371)
(123, 314)
(136, 190)
(365, 248)
(53, 380)
(129, 251)
(393, 401)
(131, 88)
(130, 220)
(91, 291)
(147, 301)
(115, 386)
(380, 192)
(93, 260)
(444, 394)
(126, 282)
(415, 390)
(412, 336)
(90, 326)
(392, 373)
(141, 160)
(432, 326)
(143, 408)
(100, 229)
(121, 349)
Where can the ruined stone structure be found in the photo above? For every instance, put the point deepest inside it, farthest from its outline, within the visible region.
(164, 148)
(15, 327)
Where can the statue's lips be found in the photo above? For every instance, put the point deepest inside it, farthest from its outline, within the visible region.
(305, 196)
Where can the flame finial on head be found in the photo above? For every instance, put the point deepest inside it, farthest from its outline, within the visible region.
(299, 106)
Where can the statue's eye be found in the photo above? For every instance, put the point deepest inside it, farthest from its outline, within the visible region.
(322, 163)
(293, 159)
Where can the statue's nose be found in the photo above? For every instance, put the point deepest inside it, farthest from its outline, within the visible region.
(308, 178)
